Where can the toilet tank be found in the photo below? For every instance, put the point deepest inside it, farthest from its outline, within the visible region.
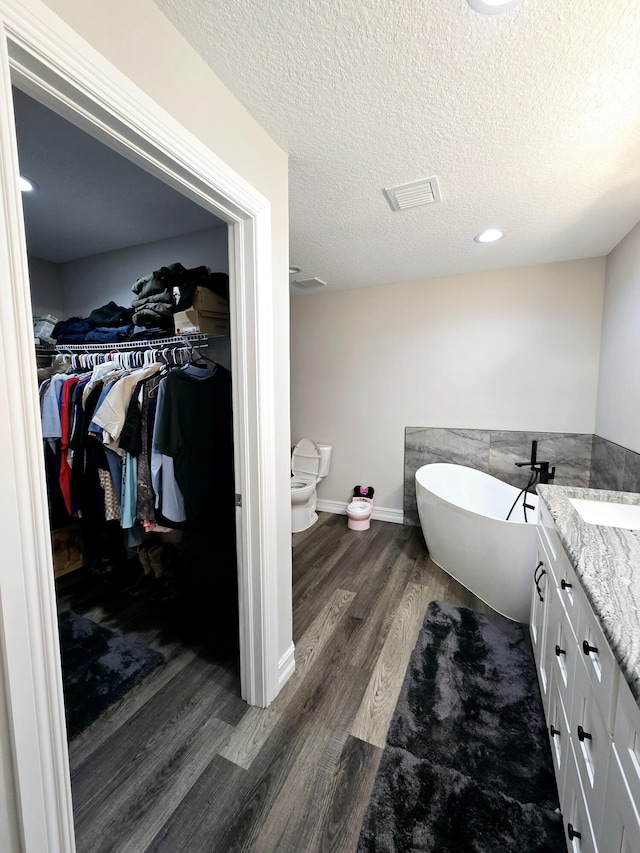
(325, 459)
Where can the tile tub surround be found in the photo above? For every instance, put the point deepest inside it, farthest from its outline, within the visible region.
(423, 445)
(614, 467)
(607, 563)
(495, 452)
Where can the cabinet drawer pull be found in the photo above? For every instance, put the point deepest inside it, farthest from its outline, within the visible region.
(582, 735)
(540, 595)
(538, 577)
(553, 731)
(572, 833)
(586, 648)
(560, 651)
(565, 584)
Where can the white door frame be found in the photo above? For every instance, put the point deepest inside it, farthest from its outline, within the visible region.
(49, 61)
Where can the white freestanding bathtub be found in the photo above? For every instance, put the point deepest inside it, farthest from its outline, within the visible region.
(462, 512)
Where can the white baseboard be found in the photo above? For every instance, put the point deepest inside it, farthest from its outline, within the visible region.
(286, 666)
(385, 513)
(381, 513)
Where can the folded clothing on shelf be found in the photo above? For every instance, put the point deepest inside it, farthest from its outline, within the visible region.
(78, 331)
(154, 304)
(110, 315)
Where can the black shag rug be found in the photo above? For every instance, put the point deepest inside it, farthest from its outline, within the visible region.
(467, 765)
(99, 667)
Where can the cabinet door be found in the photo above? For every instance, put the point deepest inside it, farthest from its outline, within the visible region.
(561, 650)
(621, 823)
(548, 532)
(559, 736)
(577, 825)
(626, 738)
(539, 600)
(591, 743)
(571, 595)
(601, 666)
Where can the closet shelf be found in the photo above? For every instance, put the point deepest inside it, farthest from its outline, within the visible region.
(193, 341)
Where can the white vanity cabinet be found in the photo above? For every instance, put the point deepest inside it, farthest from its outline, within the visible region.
(592, 717)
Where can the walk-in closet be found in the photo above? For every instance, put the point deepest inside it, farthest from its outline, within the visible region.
(129, 289)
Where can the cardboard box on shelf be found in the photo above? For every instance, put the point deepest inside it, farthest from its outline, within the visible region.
(194, 322)
(207, 301)
(43, 325)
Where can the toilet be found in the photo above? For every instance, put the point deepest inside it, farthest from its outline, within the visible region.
(359, 513)
(309, 464)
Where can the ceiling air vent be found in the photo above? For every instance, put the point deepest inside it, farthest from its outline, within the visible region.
(306, 283)
(415, 194)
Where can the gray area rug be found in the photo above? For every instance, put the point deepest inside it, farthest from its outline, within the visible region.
(467, 765)
(99, 667)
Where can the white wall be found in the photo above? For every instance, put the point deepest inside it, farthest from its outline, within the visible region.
(147, 49)
(512, 349)
(46, 288)
(618, 410)
(91, 282)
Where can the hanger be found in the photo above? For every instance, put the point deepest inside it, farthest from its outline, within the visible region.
(199, 356)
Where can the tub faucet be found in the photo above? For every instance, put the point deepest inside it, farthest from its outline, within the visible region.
(542, 468)
(546, 475)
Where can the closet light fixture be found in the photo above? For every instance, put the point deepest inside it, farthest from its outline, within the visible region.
(489, 235)
(493, 7)
(27, 185)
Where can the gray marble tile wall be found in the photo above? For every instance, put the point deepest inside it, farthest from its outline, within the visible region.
(614, 467)
(495, 452)
(569, 452)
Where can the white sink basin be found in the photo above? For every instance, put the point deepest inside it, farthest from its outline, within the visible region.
(608, 514)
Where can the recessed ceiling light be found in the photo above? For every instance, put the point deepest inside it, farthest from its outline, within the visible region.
(294, 270)
(27, 185)
(489, 235)
(492, 7)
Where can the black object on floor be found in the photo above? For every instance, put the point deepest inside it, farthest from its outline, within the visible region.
(99, 667)
(467, 765)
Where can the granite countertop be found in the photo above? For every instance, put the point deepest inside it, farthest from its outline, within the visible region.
(607, 563)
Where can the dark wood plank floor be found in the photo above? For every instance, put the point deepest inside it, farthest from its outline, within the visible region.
(182, 764)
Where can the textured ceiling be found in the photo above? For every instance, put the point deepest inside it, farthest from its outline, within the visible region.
(530, 119)
(90, 199)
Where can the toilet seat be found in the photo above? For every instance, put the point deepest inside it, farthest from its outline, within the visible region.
(361, 507)
(359, 514)
(305, 461)
(309, 464)
(298, 483)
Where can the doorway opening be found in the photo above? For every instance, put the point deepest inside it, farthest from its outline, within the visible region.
(146, 594)
(61, 71)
